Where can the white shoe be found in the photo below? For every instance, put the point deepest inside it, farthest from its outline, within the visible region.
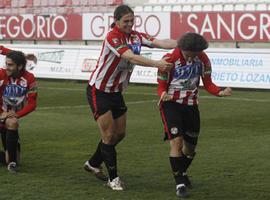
(116, 184)
(181, 191)
(12, 167)
(96, 171)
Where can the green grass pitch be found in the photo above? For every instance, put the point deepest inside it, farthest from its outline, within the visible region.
(232, 161)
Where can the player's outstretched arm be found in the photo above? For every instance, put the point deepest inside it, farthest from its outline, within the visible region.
(165, 43)
(162, 64)
(30, 56)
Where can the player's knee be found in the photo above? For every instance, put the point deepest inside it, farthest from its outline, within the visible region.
(176, 144)
(12, 123)
(108, 138)
(189, 150)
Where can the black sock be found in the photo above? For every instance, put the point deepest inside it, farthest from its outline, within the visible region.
(12, 144)
(3, 137)
(177, 169)
(109, 156)
(96, 159)
(186, 161)
(2, 158)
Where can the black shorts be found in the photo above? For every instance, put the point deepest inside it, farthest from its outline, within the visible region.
(180, 120)
(101, 102)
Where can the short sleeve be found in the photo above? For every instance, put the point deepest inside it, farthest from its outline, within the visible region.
(116, 44)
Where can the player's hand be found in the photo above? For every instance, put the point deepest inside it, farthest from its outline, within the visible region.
(226, 92)
(4, 115)
(165, 97)
(31, 57)
(163, 65)
(12, 114)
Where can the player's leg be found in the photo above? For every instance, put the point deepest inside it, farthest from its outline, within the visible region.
(107, 129)
(94, 163)
(3, 139)
(192, 129)
(120, 128)
(177, 165)
(118, 111)
(12, 138)
(172, 120)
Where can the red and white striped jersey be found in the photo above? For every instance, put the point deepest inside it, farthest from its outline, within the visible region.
(183, 80)
(112, 73)
(18, 94)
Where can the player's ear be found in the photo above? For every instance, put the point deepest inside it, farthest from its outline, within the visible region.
(20, 67)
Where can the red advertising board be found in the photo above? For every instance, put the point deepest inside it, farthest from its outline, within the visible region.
(215, 26)
(41, 27)
(223, 26)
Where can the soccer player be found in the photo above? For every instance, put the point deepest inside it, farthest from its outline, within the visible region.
(17, 98)
(178, 91)
(120, 52)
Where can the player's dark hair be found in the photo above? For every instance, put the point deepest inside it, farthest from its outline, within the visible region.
(120, 11)
(192, 42)
(17, 57)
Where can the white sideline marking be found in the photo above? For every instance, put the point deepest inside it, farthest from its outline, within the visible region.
(66, 89)
(87, 106)
(151, 94)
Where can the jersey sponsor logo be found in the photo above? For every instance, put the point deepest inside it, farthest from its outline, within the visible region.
(188, 71)
(135, 48)
(186, 77)
(14, 95)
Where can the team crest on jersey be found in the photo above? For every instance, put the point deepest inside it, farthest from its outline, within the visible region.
(116, 41)
(174, 130)
(23, 82)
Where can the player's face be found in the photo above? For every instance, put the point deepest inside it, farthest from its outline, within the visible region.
(189, 55)
(11, 67)
(125, 23)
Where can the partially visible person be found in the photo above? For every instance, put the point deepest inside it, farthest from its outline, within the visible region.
(178, 91)
(18, 94)
(120, 52)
